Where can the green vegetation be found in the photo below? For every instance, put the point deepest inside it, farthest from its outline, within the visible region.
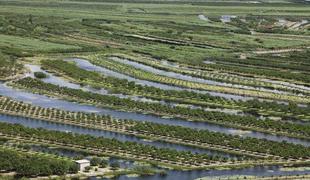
(255, 49)
(187, 97)
(251, 144)
(29, 44)
(109, 145)
(146, 129)
(141, 74)
(246, 122)
(302, 77)
(32, 165)
(222, 77)
(40, 75)
(9, 66)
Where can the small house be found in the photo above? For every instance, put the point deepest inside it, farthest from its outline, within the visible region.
(82, 164)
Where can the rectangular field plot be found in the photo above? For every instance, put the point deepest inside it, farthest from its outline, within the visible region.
(31, 44)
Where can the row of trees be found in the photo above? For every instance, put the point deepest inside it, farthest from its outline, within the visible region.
(121, 85)
(180, 82)
(204, 136)
(78, 118)
(105, 144)
(250, 144)
(292, 108)
(282, 149)
(21, 108)
(202, 74)
(303, 77)
(267, 62)
(156, 108)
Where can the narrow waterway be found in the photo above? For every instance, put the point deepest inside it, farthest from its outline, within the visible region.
(52, 79)
(180, 175)
(215, 174)
(86, 65)
(259, 171)
(124, 164)
(187, 77)
(288, 84)
(48, 102)
(34, 123)
(165, 73)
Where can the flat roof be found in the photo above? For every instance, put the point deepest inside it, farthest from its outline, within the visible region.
(82, 161)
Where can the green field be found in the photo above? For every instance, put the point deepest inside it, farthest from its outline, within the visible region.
(154, 87)
(30, 44)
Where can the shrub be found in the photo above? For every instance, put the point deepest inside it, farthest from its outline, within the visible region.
(40, 75)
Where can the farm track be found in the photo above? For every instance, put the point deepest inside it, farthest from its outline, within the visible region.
(277, 51)
(171, 41)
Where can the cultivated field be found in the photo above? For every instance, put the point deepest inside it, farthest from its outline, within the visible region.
(154, 89)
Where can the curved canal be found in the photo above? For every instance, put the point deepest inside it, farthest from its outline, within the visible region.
(48, 102)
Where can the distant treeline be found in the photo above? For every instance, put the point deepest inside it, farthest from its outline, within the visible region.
(200, 2)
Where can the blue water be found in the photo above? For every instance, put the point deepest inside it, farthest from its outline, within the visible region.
(48, 102)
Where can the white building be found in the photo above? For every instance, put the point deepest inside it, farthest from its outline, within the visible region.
(82, 164)
(227, 18)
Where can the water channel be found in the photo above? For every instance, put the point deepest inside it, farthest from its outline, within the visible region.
(187, 77)
(34, 123)
(86, 65)
(215, 174)
(52, 79)
(48, 102)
